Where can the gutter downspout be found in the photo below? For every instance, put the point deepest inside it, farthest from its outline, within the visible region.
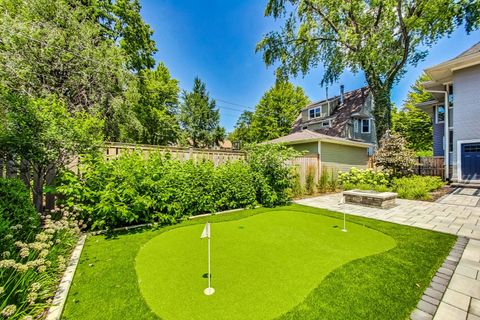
(446, 150)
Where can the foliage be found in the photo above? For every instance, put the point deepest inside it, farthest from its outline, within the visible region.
(310, 180)
(29, 271)
(120, 21)
(394, 155)
(417, 187)
(322, 184)
(148, 112)
(242, 134)
(132, 189)
(52, 47)
(18, 218)
(411, 122)
(44, 134)
(199, 117)
(412, 187)
(377, 37)
(274, 177)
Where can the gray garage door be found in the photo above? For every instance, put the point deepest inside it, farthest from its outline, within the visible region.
(471, 161)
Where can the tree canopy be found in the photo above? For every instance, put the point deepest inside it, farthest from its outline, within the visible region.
(377, 37)
(199, 117)
(412, 123)
(274, 115)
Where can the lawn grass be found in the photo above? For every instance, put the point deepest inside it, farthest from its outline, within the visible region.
(269, 262)
(381, 286)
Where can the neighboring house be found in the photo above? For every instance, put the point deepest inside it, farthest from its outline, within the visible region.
(455, 111)
(347, 116)
(338, 132)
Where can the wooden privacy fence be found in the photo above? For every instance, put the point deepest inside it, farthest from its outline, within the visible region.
(216, 156)
(430, 166)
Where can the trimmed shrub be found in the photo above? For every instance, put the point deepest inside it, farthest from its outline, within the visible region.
(417, 187)
(18, 218)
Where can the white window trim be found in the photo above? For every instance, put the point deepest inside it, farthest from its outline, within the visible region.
(459, 156)
(369, 126)
(355, 125)
(436, 114)
(322, 114)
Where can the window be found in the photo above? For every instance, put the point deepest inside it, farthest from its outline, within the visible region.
(317, 112)
(365, 125)
(355, 125)
(450, 141)
(326, 124)
(450, 96)
(440, 114)
(304, 127)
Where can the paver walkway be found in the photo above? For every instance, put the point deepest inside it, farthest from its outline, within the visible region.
(457, 213)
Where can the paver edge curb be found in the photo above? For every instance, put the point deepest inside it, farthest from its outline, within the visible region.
(450, 263)
(56, 309)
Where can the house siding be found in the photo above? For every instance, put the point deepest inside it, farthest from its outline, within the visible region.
(342, 157)
(308, 148)
(466, 107)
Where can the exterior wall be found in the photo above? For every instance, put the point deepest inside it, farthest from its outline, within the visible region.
(371, 137)
(438, 134)
(466, 106)
(342, 157)
(310, 148)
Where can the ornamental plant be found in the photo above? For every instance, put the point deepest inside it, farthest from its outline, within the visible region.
(394, 156)
(29, 271)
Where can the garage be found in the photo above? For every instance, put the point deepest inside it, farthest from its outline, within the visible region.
(470, 161)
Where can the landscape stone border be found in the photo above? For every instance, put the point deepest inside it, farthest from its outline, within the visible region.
(56, 309)
(430, 301)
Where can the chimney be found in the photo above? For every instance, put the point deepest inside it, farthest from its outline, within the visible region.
(342, 93)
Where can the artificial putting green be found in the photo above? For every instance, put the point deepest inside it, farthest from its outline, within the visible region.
(262, 266)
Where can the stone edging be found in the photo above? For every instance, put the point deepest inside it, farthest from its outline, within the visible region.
(56, 309)
(428, 304)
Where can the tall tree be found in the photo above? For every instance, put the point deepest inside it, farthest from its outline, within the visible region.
(199, 118)
(412, 123)
(121, 21)
(277, 110)
(49, 48)
(377, 37)
(242, 133)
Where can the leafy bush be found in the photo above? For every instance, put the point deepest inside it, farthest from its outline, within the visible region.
(310, 180)
(413, 187)
(274, 177)
(30, 270)
(417, 187)
(394, 155)
(18, 218)
(132, 189)
(363, 177)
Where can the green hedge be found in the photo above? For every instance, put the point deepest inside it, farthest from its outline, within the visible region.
(133, 189)
(18, 218)
(409, 187)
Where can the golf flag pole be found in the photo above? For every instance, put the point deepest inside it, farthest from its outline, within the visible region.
(206, 234)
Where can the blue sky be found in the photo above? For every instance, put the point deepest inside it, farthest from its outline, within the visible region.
(216, 40)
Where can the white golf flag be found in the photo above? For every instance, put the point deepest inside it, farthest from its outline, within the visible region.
(206, 231)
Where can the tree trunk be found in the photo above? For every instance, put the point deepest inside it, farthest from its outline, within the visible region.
(38, 176)
(382, 109)
(25, 173)
(11, 168)
(49, 180)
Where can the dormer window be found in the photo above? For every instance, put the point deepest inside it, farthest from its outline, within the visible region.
(366, 125)
(317, 112)
(325, 124)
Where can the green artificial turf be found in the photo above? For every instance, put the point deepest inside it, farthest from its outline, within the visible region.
(262, 266)
(386, 285)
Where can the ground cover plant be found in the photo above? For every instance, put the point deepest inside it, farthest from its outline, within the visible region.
(386, 285)
(34, 251)
(409, 187)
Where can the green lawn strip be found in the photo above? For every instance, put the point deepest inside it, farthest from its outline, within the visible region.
(262, 265)
(387, 285)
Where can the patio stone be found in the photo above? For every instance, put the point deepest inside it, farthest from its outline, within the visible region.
(426, 307)
(456, 299)
(474, 307)
(465, 285)
(449, 312)
(420, 315)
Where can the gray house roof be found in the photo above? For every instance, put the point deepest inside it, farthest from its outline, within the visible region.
(312, 136)
(352, 105)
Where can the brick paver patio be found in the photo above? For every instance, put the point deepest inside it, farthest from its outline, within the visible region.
(455, 290)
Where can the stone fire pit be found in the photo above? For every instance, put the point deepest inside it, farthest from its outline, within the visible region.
(370, 198)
